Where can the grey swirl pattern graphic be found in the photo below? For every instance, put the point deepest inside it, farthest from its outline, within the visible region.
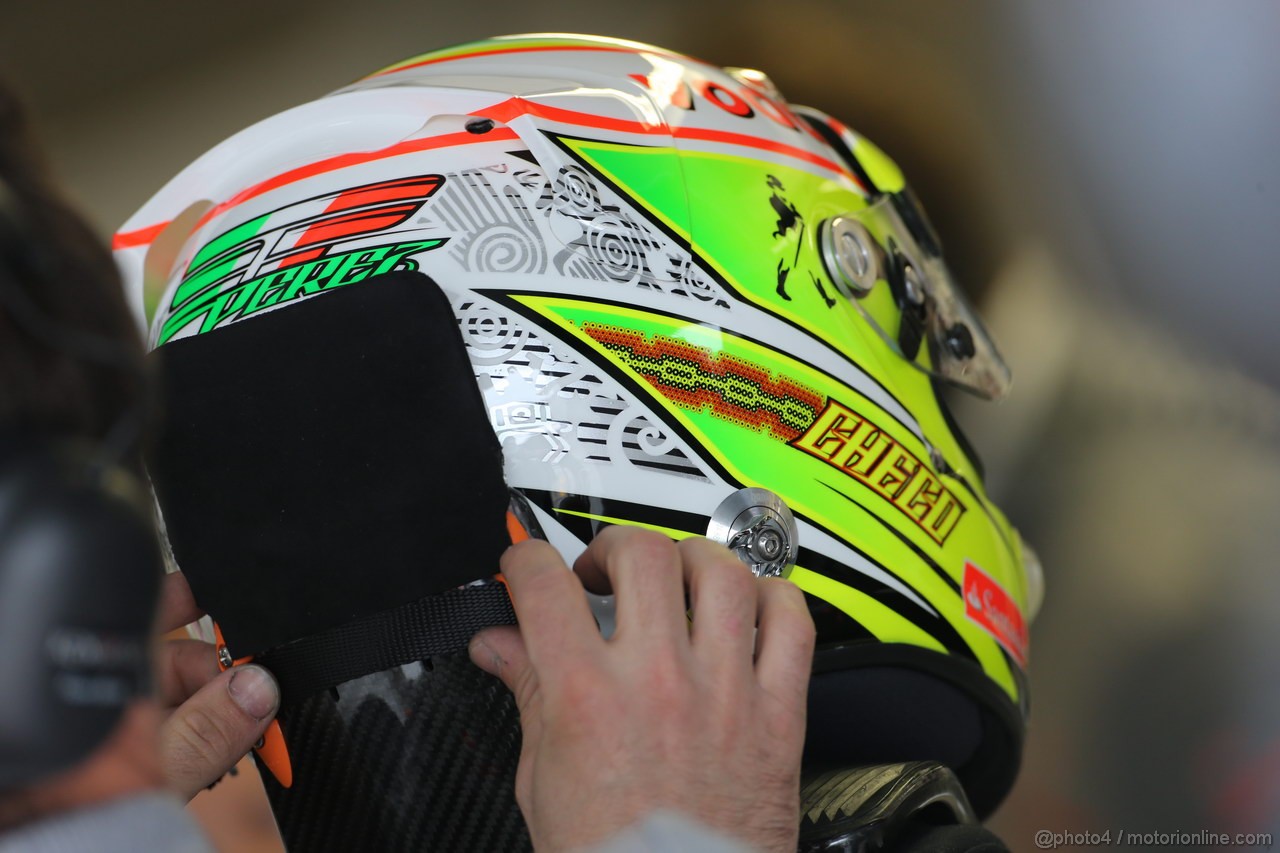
(553, 404)
(576, 194)
(513, 219)
(616, 247)
(503, 248)
(490, 336)
(497, 230)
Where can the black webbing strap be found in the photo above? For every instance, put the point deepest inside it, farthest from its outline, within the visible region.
(434, 625)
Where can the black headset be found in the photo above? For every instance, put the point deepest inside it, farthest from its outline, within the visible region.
(80, 564)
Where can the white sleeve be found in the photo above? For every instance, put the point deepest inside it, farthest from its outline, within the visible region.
(153, 822)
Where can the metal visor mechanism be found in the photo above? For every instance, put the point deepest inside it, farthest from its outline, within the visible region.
(889, 246)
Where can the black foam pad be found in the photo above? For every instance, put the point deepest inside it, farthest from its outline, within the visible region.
(872, 703)
(327, 460)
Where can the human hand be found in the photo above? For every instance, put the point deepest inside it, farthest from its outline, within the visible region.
(216, 717)
(664, 714)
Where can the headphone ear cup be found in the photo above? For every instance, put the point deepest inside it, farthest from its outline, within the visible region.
(79, 575)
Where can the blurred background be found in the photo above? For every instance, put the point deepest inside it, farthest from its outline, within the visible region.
(1105, 177)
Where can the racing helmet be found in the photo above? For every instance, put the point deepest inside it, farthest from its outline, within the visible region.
(537, 285)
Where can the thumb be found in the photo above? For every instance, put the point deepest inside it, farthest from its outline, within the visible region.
(207, 734)
(500, 652)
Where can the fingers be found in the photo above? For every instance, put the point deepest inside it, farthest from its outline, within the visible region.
(177, 605)
(696, 705)
(205, 736)
(784, 645)
(642, 569)
(182, 668)
(648, 574)
(722, 591)
(551, 607)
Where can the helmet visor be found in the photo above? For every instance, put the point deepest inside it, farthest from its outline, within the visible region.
(889, 245)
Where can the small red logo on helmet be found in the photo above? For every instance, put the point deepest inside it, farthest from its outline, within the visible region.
(986, 603)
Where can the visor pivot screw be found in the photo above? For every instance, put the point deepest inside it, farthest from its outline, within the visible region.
(850, 254)
(224, 657)
(758, 527)
(479, 126)
(769, 544)
(851, 247)
(960, 341)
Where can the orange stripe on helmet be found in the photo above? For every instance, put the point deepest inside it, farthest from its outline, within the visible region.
(142, 236)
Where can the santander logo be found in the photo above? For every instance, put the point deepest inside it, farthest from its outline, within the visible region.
(986, 603)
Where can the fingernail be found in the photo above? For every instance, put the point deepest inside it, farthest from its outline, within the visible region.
(255, 691)
(483, 656)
